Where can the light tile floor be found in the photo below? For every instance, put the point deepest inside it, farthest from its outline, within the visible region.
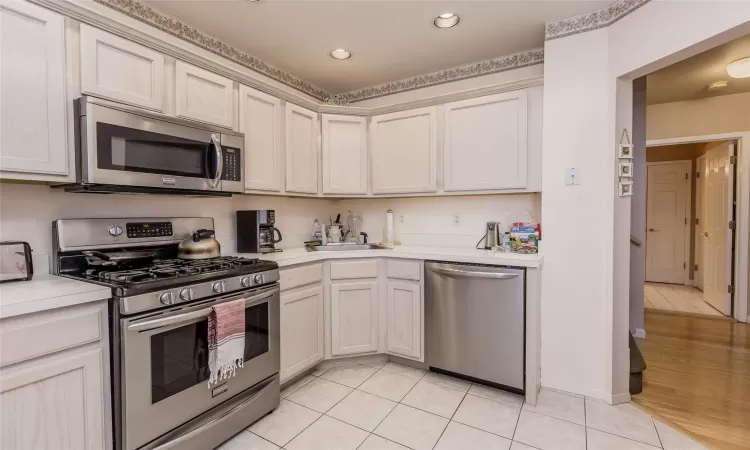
(676, 297)
(396, 407)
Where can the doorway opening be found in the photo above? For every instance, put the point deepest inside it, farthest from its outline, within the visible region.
(690, 242)
(690, 212)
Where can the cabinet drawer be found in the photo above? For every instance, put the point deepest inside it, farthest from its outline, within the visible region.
(405, 270)
(41, 335)
(300, 276)
(343, 270)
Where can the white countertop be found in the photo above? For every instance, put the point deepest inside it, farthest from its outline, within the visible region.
(294, 256)
(46, 292)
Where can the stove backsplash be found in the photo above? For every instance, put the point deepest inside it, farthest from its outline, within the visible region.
(27, 212)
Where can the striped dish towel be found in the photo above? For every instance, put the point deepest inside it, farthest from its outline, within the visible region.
(226, 340)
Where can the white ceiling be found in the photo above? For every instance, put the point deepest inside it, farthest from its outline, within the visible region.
(689, 78)
(390, 40)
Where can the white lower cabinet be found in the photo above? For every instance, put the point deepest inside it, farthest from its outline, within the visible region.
(354, 318)
(404, 319)
(55, 403)
(54, 380)
(302, 330)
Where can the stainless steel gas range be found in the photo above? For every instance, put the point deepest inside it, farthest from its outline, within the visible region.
(158, 331)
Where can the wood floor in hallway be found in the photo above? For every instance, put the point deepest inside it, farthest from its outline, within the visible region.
(698, 377)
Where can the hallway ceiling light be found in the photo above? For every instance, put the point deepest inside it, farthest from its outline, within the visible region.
(341, 53)
(739, 68)
(446, 20)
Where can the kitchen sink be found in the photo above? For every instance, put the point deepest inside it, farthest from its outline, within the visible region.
(345, 247)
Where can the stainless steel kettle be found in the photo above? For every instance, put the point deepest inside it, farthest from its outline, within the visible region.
(199, 245)
(492, 236)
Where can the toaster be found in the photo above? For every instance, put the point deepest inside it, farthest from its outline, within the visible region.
(15, 261)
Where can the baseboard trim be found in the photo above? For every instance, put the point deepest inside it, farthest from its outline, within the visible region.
(640, 333)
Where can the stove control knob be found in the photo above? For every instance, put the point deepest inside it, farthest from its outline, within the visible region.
(167, 298)
(115, 230)
(246, 281)
(186, 294)
(258, 279)
(219, 287)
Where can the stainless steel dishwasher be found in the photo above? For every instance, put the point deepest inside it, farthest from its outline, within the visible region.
(475, 322)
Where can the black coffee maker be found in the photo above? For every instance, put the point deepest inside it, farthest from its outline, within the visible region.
(256, 231)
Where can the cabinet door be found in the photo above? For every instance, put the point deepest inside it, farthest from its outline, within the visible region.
(354, 318)
(484, 145)
(344, 154)
(301, 150)
(121, 70)
(57, 402)
(404, 152)
(404, 319)
(302, 333)
(202, 95)
(32, 89)
(260, 119)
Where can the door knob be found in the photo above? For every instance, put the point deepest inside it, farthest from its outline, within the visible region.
(651, 230)
(705, 234)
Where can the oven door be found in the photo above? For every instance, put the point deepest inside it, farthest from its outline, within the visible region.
(124, 148)
(164, 363)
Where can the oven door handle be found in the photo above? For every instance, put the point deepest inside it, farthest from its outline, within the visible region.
(199, 314)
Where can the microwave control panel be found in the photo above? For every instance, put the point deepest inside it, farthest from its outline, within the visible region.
(149, 229)
(232, 164)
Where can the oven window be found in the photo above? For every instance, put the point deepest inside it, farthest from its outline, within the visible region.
(132, 150)
(179, 357)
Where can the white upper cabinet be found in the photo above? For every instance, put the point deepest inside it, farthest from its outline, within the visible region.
(204, 96)
(33, 135)
(344, 154)
(260, 119)
(404, 152)
(121, 70)
(484, 143)
(301, 150)
(354, 318)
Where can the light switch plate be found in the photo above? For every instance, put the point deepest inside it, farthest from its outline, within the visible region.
(572, 176)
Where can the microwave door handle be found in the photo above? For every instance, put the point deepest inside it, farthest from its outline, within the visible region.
(214, 183)
(186, 317)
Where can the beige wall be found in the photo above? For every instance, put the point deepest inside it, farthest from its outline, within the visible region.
(724, 114)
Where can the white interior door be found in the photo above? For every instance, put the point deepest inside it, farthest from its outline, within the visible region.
(666, 222)
(700, 203)
(717, 249)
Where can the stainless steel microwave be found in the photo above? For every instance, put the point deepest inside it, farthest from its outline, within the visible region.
(124, 149)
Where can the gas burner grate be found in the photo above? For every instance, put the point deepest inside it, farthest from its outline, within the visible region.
(171, 268)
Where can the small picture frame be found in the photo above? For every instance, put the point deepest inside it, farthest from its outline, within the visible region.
(626, 151)
(626, 169)
(626, 188)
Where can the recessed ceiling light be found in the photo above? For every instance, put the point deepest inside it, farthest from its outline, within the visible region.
(739, 68)
(446, 20)
(341, 53)
(716, 85)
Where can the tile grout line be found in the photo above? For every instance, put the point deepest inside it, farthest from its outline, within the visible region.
(653, 421)
(585, 426)
(518, 419)
(258, 436)
(627, 438)
(452, 416)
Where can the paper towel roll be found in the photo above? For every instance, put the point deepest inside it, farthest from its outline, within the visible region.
(388, 238)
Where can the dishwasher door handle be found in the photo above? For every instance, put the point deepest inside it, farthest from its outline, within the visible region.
(471, 273)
